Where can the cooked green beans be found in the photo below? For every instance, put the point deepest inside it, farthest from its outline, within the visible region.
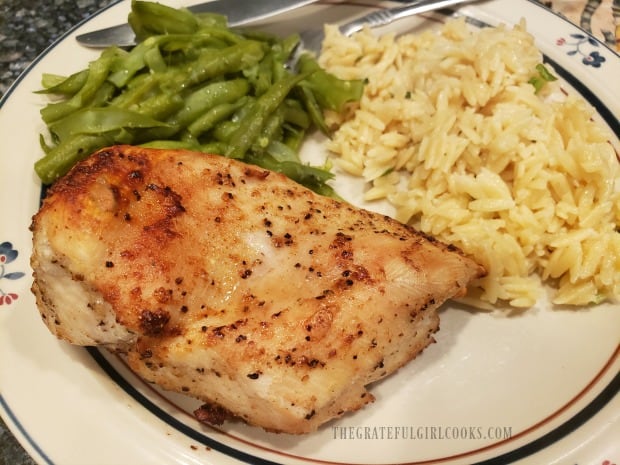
(252, 124)
(193, 83)
(215, 115)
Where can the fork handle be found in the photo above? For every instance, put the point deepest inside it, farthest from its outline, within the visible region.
(387, 16)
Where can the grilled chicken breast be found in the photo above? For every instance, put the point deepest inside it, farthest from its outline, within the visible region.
(235, 285)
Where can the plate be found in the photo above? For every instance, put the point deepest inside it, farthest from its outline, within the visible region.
(540, 387)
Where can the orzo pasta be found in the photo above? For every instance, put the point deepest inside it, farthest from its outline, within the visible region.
(452, 133)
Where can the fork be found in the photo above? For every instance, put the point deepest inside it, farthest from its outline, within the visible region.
(312, 39)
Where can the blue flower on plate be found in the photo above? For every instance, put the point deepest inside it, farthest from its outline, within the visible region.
(577, 45)
(594, 59)
(8, 255)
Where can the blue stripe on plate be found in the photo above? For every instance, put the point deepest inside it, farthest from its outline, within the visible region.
(169, 419)
(561, 431)
(576, 421)
(11, 416)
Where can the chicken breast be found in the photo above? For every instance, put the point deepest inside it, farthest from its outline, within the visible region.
(235, 285)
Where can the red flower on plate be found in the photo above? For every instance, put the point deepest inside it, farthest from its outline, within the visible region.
(7, 255)
(8, 298)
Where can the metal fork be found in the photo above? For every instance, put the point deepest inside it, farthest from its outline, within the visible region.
(312, 39)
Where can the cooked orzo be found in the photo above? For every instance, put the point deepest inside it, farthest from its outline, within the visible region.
(452, 133)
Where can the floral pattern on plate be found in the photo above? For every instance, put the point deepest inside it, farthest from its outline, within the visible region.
(8, 255)
(577, 43)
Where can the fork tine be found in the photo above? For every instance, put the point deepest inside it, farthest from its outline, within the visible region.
(311, 40)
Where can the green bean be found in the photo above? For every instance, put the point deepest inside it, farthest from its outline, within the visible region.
(287, 46)
(49, 81)
(261, 75)
(126, 67)
(271, 131)
(225, 130)
(122, 70)
(294, 113)
(193, 83)
(329, 91)
(209, 96)
(213, 63)
(209, 19)
(282, 52)
(147, 18)
(213, 116)
(282, 48)
(137, 90)
(314, 109)
(160, 106)
(217, 32)
(101, 120)
(259, 35)
(54, 84)
(80, 143)
(245, 110)
(215, 147)
(188, 46)
(293, 138)
(309, 176)
(102, 96)
(251, 125)
(171, 145)
(97, 73)
(155, 61)
(282, 152)
(61, 158)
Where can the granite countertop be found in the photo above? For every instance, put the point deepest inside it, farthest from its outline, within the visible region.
(28, 27)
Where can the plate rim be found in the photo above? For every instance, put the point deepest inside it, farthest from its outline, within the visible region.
(602, 399)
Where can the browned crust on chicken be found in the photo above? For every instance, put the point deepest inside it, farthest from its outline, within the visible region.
(235, 285)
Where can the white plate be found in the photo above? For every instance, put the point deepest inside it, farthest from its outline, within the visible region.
(539, 388)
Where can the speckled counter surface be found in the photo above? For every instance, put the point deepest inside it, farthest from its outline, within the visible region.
(28, 27)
